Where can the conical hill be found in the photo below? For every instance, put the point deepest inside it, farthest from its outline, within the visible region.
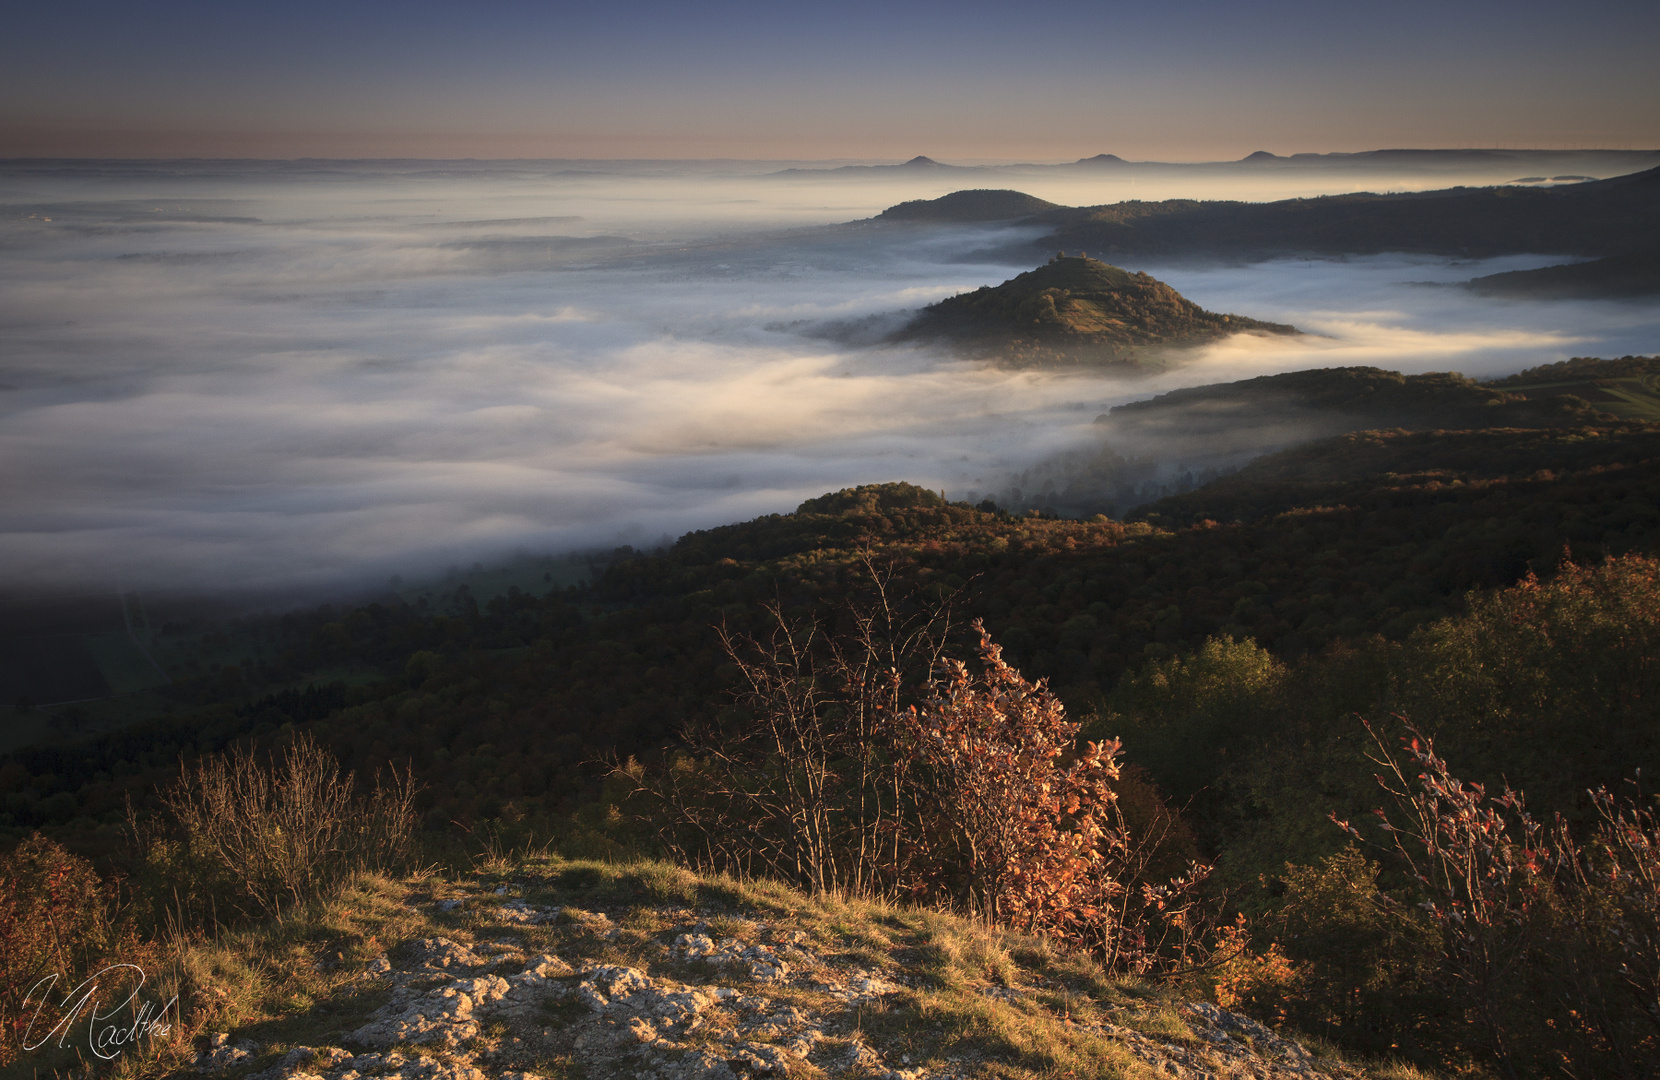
(1077, 311)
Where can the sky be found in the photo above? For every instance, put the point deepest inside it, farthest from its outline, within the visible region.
(963, 81)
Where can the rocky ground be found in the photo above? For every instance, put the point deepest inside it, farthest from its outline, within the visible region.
(505, 984)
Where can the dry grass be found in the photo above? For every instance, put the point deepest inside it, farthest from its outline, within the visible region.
(302, 979)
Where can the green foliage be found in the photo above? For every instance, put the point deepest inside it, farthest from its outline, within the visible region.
(1183, 712)
(1553, 684)
(1364, 963)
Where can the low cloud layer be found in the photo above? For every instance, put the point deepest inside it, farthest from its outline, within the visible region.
(259, 381)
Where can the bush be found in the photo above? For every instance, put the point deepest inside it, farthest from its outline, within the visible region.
(59, 923)
(1549, 940)
(867, 763)
(265, 834)
(1364, 963)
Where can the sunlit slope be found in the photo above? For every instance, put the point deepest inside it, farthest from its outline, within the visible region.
(1076, 310)
(1628, 387)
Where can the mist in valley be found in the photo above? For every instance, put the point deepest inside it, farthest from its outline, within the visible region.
(296, 378)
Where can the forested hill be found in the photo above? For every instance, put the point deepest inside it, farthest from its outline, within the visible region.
(1076, 310)
(1169, 443)
(1224, 418)
(1606, 217)
(1633, 274)
(969, 205)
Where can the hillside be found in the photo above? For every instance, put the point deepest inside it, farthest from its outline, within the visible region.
(1076, 311)
(1223, 417)
(1229, 637)
(1634, 274)
(1171, 442)
(1618, 216)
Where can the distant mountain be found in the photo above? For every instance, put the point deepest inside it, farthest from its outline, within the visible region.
(1636, 274)
(1496, 164)
(920, 163)
(1608, 217)
(1076, 311)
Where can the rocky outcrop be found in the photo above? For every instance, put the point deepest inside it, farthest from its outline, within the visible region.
(698, 999)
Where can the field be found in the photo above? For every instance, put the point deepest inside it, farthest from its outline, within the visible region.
(1634, 397)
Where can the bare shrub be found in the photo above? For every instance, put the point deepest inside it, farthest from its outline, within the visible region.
(1607, 932)
(288, 829)
(808, 783)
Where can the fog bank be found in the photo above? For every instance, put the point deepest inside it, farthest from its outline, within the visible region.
(285, 376)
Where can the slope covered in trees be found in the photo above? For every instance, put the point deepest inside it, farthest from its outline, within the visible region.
(1619, 216)
(976, 204)
(1633, 274)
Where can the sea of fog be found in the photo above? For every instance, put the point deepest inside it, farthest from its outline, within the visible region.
(297, 376)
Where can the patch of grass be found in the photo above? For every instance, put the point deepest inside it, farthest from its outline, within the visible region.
(664, 883)
(1161, 1023)
(1400, 1070)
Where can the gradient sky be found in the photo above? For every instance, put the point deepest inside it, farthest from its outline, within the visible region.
(1188, 80)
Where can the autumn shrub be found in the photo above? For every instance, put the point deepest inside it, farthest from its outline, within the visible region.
(259, 834)
(1022, 822)
(1547, 935)
(868, 762)
(1261, 982)
(60, 923)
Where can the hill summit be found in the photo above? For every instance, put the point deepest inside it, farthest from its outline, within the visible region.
(1077, 311)
(977, 204)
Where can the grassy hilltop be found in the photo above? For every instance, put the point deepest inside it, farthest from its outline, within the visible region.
(541, 966)
(1077, 311)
